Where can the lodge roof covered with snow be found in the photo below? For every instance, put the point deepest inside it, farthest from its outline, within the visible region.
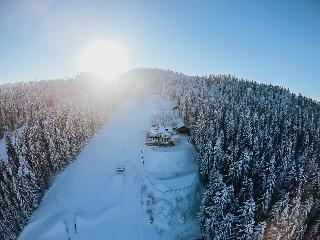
(164, 131)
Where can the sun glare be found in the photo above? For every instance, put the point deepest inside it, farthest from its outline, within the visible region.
(104, 59)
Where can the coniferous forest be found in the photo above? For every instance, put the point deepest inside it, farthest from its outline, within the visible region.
(44, 125)
(258, 148)
(258, 152)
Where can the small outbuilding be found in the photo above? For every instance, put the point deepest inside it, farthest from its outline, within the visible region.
(182, 128)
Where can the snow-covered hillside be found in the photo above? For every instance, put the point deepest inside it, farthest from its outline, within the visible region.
(90, 200)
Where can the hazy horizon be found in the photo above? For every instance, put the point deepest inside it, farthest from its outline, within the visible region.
(269, 42)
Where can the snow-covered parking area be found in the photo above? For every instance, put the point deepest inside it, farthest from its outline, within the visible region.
(92, 200)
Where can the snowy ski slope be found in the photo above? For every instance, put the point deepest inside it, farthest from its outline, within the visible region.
(90, 200)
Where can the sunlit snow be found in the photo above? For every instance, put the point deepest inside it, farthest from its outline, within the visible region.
(91, 200)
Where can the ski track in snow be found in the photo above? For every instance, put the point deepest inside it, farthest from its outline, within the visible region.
(90, 200)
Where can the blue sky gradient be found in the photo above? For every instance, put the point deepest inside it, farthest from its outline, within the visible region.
(272, 41)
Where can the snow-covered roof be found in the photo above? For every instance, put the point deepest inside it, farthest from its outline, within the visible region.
(165, 131)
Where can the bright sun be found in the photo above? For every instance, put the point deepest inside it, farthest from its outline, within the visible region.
(104, 59)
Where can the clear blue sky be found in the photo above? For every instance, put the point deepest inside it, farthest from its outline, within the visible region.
(267, 41)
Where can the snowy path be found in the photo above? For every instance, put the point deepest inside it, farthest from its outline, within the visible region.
(90, 200)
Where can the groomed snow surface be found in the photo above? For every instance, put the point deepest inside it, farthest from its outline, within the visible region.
(91, 200)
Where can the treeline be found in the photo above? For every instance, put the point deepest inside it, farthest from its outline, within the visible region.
(258, 148)
(44, 125)
(19, 101)
(258, 151)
